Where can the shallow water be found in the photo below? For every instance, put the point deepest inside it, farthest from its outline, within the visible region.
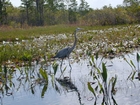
(58, 94)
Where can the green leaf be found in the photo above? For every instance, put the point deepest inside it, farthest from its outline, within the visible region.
(104, 73)
(91, 89)
(129, 75)
(5, 70)
(133, 75)
(90, 63)
(57, 89)
(92, 58)
(96, 56)
(114, 101)
(114, 80)
(44, 74)
(138, 57)
(64, 70)
(44, 90)
(98, 70)
(55, 67)
(101, 87)
(32, 90)
(132, 63)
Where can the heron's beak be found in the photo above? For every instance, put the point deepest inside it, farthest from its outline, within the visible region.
(81, 28)
(78, 29)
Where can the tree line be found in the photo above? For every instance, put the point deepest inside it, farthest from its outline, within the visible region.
(53, 12)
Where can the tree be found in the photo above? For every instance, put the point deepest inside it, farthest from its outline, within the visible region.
(50, 11)
(122, 16)
(131, 2)
(34, 10)
(40, 12)
(62, 13)
(27, 4)
(51, 4)
(83, 7)
(72, 11)
(133, 8)
(3, 13)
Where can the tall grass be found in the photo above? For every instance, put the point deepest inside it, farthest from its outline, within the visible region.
(26, 33)
(8, 33)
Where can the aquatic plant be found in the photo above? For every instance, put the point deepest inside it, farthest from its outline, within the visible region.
(44, 79)
(55, 67)
(104, 85)
(6, 82)
(133, 67)
(138, 59)
(29, 79)
(44, 75)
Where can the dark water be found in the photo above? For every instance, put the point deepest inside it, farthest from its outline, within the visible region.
(78, 93)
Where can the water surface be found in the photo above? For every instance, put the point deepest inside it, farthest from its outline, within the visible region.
(77, 94)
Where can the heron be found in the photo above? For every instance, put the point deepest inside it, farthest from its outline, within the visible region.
(65, 53)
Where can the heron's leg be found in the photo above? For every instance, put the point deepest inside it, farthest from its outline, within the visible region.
(70, 73)
(70, 67)
(61, 68)
(69, 63)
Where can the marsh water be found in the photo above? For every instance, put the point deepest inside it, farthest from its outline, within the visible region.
(76, 92)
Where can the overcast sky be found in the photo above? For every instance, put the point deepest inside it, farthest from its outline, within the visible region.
(93, 3)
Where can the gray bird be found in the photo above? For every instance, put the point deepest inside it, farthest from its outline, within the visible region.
(66, 51)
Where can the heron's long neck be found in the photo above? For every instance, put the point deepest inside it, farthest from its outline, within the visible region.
(75, 41)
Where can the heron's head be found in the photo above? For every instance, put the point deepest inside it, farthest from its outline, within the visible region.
(78, 29)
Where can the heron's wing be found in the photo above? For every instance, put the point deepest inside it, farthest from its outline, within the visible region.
(63, 53)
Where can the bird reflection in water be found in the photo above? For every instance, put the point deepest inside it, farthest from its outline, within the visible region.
(69, 86)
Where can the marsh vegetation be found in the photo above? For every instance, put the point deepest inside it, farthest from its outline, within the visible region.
(105, 66)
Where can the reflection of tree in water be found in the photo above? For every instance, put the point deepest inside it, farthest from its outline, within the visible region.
(68, 85)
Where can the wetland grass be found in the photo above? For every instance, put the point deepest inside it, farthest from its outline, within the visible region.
(10, 34)
(43, 42)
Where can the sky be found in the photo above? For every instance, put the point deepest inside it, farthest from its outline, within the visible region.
(95, 4)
